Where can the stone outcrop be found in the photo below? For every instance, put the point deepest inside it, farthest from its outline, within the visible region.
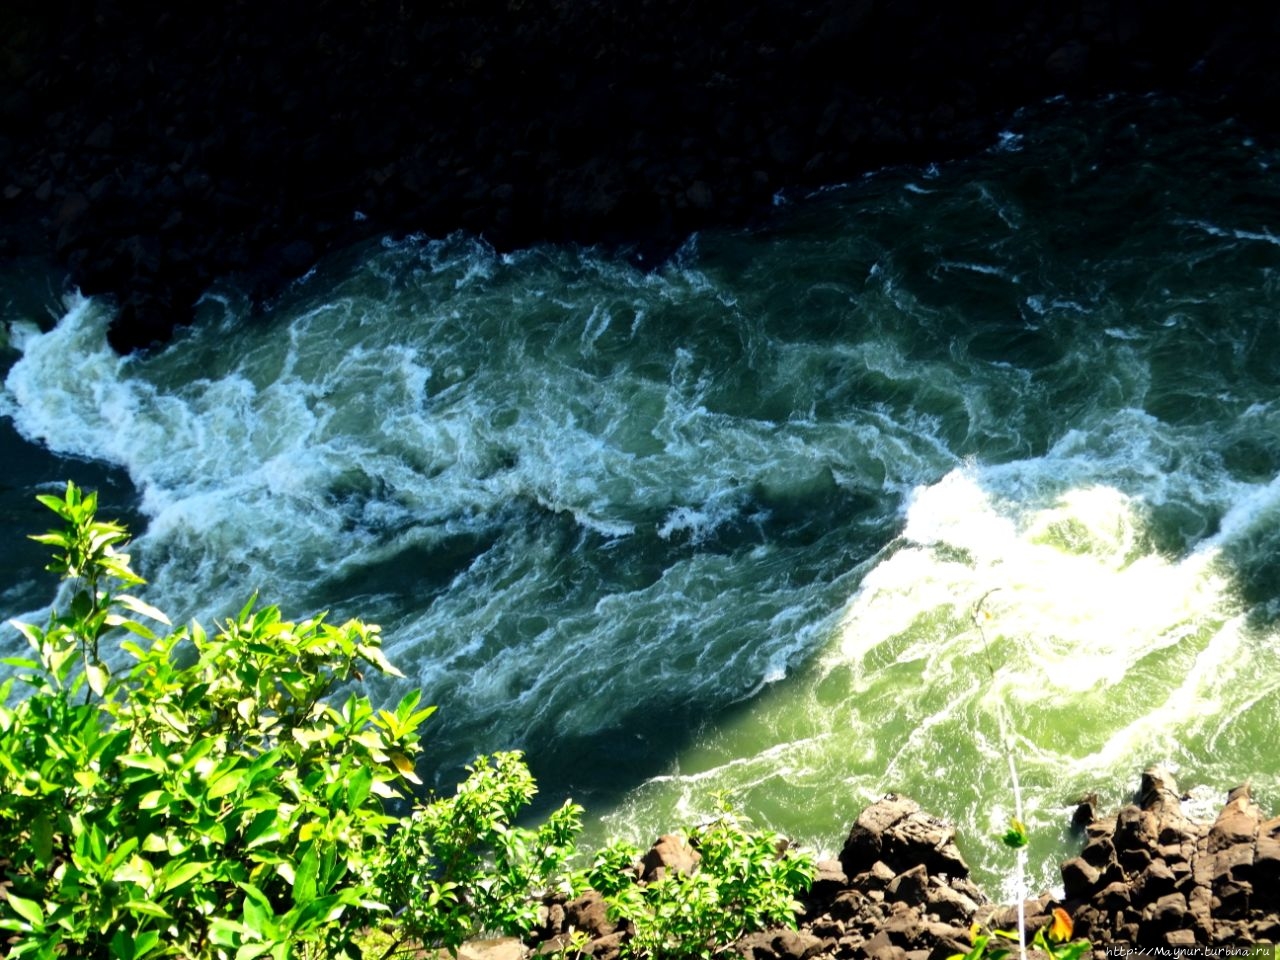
(154, 153)
(1149, 876)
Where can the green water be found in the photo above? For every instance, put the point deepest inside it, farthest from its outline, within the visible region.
(726, 525)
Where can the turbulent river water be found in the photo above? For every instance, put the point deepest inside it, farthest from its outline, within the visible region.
(731, 523)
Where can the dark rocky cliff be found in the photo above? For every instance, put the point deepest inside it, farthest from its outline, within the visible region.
(155, 148)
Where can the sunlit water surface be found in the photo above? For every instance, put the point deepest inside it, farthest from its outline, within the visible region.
(733, 524)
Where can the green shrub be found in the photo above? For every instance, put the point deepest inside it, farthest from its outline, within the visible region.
(207, 803)
(745, 881)
(461, 867)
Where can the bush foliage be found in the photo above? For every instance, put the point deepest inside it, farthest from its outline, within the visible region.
(744, 881)
(207, 799)
(205, 802)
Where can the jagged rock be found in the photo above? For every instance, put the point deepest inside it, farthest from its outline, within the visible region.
(1200, 909)
(1266, 864)
(950, 905)
(1136, 829)
(796, 945)
(606, 948)
(895, 831)
(756, 946)
(551, 917)
(669, 852)
(848, 905)
(865, 842)
(1237, 823)
(880, 947)
(1180, 938)
(1099, 852)
(1079, 878)
(877, 878)
(827, 883)
(1231, 899)
(1158, 791)
(910, 886)
(1135, 859)
(1086, 811)
(1230, 932)
(590, 914)
(903, 927)
(1167, 912)
(1233, 864)
(501, 948)
(1156, 881)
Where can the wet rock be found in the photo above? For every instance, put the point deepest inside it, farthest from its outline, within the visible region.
(1086, 812)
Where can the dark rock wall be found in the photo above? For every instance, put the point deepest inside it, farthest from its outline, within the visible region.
(154, 148)
(1148, 877)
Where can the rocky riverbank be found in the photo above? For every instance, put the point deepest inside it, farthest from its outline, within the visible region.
(155, 153)
(1149, 876)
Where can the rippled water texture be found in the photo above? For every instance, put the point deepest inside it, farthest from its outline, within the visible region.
(730, 524)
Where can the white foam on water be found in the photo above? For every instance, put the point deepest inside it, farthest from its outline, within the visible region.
(779, 473)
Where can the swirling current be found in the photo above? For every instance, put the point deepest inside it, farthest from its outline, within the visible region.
(795, 515)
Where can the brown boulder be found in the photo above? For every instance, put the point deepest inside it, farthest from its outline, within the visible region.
(1237, 823)
(670, 852)
(590, 914)
(863, 846)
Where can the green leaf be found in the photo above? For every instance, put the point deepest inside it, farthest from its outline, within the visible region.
(147, 908)
(247, 609)
(122, 945)
(405, 766)
(143, 608)
(376, 657)
(145, 942)
(358, 787)
(261, 829)
(304, 880)
(183, 873)
(42, 840)
(28, 910)
(1016, 836)
(136, 870)
(225, 783)
(133, 626)
(226, 933)
(144, 761)
(97, 676)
